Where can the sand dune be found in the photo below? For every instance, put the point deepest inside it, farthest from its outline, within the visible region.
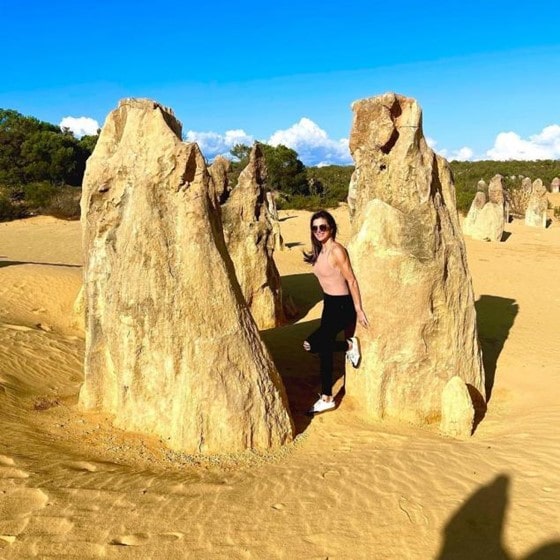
(71, 486)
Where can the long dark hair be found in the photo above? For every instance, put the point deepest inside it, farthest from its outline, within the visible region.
(316, 245)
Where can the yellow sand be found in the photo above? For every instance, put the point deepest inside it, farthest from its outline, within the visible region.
(71, 486)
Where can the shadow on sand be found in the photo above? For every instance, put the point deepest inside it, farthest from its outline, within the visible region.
(4, 264)
(300, 369)
(495, 317)
(475, 532)
(304, 291)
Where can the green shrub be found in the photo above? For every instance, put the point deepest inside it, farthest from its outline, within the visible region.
(300, 202)
(65, 204)
(38, 195)
(10, 209)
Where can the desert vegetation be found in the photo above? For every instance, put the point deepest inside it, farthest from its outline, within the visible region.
(42, 167)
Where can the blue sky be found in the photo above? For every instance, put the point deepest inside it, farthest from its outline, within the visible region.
(486, 73)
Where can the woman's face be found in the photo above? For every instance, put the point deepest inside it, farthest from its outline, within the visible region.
(321, 229)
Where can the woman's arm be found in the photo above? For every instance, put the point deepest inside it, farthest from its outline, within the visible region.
(342, 262)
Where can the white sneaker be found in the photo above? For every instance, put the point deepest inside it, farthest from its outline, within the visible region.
(321, 406)
(353, 355)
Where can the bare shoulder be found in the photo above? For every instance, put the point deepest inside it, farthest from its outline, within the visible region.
(339, 251)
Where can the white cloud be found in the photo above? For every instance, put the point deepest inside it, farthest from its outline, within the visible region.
(462, 154)
(213, 144)
(80, 126)
(509, 145)
(312, 144)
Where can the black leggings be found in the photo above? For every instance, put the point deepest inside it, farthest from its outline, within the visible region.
(338, 314)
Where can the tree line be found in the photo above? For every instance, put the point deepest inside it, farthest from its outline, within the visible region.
(39, 165)
(42, 168)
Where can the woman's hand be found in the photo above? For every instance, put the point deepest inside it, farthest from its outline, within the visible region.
(362, 319)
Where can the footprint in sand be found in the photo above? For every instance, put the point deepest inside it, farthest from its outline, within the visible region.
(140, 539)
(17, 506)
(11, 472)
(332, 473)
(16, 327)
(8, 538)
(171, 536)
(8, 469)
(83, 466)
(137, 539)
(414, 511)
(6, 461)
(21, 502)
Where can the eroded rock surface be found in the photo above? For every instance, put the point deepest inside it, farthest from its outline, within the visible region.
(220, 182)
(251, 238)
(490, 223)
(535, 215)
(526, 185)
(171, 348)
(408, 253)
(457, 409)
(477, 205)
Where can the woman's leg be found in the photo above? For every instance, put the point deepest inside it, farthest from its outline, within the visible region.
(323, 340)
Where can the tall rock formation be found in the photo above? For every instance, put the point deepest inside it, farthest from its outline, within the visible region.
(491, 220)
(220, 182)
(535, 215)
(555, 185)
(409, 257)
(250, 238)
(526, 185)
(477, 205)
(171, 348)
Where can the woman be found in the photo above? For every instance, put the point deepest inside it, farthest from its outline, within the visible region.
(342, 304)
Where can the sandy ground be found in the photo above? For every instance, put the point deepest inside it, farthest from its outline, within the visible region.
(73, 487)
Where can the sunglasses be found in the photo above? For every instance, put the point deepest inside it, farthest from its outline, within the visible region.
(320, 227)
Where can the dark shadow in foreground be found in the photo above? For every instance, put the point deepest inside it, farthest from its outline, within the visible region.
(475, 532)
(495, 317)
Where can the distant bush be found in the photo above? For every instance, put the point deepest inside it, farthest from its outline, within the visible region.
(39, 198)
(518, 201)
(65, 204)
(300, 202)
(37, 195)
(10, 209)
(466, 175)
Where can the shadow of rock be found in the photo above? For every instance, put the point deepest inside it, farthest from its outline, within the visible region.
(284, 218)
(304, 291)
(549, 551)
(505, 236)
(479, 405)
(300, 369)
(4, 264)
(294, 244)
(495, 317)
(475, 532)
